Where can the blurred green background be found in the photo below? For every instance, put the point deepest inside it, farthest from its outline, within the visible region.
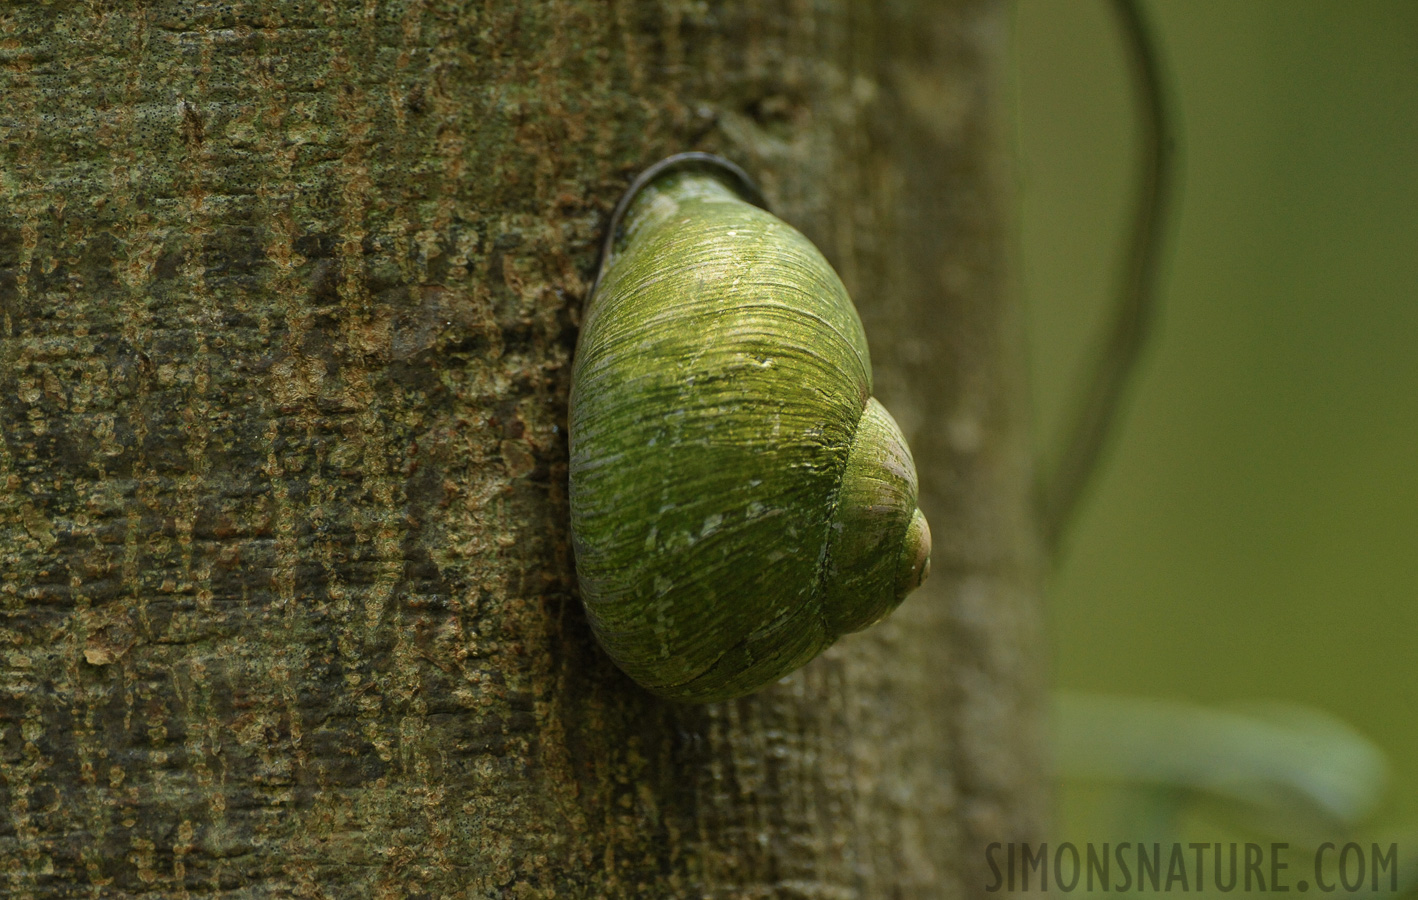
(1254, 531)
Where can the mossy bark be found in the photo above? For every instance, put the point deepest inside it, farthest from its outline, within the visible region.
(289, 296)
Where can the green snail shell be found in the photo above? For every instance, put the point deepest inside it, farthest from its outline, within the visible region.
(738, 498)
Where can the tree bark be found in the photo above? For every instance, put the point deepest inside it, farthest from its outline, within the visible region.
(287, 605)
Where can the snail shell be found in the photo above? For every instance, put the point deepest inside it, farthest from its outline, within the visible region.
(739, 500)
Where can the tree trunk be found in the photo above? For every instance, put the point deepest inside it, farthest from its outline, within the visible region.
(289, 294)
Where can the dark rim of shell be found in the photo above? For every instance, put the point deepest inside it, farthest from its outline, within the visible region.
(737, 177)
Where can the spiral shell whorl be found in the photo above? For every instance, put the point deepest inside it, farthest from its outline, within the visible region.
(879, 543)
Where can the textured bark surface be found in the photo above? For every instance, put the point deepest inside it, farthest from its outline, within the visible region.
(289, 294)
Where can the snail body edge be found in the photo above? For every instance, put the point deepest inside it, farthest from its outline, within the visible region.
(739, 500)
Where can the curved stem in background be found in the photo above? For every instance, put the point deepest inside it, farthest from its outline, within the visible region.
(1096, 407)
